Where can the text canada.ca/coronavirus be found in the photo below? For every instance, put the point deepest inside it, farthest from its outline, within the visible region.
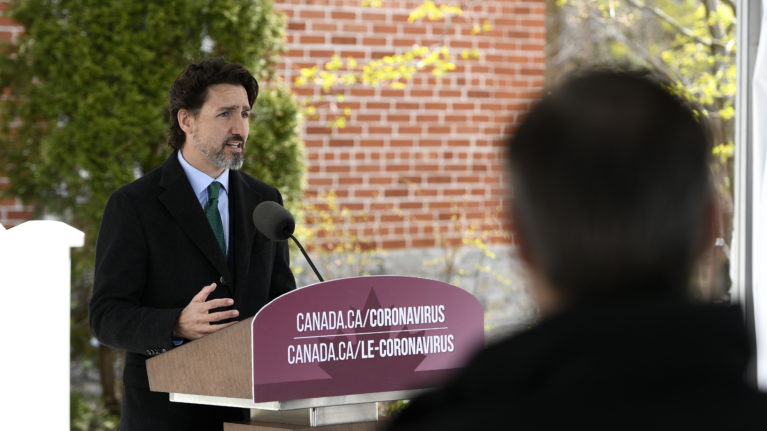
(316, 352)
(370, 318)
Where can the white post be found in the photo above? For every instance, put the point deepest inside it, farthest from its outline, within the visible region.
(749, 257)
(35, 279)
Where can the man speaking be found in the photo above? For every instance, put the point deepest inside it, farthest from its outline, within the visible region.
(178, 256)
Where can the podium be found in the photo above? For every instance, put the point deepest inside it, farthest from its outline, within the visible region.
(322, 356)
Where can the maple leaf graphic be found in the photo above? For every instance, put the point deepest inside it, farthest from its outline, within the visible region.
(358, 373)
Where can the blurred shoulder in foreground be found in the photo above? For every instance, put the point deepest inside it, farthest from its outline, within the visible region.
(612, 206)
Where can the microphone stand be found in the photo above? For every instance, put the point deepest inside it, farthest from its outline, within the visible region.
(308, 259)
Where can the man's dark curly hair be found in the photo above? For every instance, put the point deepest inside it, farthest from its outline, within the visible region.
(190, 90)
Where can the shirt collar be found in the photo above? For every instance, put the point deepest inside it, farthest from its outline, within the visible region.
(200, 180)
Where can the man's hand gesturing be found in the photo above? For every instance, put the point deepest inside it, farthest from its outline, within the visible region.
(195, 320)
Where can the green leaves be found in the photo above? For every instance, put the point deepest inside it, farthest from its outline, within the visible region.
(89, 83)
(396, 71)
(86, 111)
(691, 41)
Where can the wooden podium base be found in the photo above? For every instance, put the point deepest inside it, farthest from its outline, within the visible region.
(361, 426)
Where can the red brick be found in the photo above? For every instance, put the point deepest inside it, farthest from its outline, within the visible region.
(398, 118)
(455, 192)
(312, 13)
(381, 180)
(423, 243)
(443, 179)
(7, 21)
(531, 71)
(467, 129)
(358, 193)
(392, 93)
(411, 205)
(19, 215)
(367, 168)
(368, 117)
(397, 168)
(324, 26)
(355, 28)
(411, 130)
(478, 94)
(6, 36)
(414, 29)
(436, 106)
(407, 105)
(343, 15)
(373, 17)
(376, 130)
(402, 43)
(386, 29)
(449, 93)
(323, 54)
(346, 53)
(374, 41)
(341, 40)
(393, 244)
(378, 105)
(532, 47)
(381, 206)
(307, 39)
(371, 143)
(395, 193)
(409, 180)
(341, 143)
(314, 181)
(318, 130)
(402, 142)
(351, 130)
(438, 130)
(421, 93)
(338, 168)
(363, 92)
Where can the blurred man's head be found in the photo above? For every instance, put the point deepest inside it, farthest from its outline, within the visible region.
(611, 193)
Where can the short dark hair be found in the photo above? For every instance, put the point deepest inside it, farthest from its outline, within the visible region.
(190, 90)
(611, 185)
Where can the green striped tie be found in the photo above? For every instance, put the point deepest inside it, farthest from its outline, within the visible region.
(214, 217)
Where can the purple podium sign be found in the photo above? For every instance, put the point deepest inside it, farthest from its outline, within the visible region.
(363, 335)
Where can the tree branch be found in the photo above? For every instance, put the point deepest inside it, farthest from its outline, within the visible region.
(674, 23)
(670, 71)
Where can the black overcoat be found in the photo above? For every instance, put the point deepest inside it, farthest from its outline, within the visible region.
(155, 252)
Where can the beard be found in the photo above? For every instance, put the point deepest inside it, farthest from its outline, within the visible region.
(220, 158)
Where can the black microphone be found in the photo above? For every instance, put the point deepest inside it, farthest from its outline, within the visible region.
(278, 224)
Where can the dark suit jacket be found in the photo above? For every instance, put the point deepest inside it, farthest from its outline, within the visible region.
(632, 363)
(155, 251)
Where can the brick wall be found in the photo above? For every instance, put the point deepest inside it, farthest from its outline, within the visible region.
(413, 160)
(12, 211)
(411, 163)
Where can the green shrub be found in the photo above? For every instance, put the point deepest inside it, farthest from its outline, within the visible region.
(85, 107)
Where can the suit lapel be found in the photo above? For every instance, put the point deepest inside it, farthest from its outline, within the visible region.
(179, 199)
(241, 206)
